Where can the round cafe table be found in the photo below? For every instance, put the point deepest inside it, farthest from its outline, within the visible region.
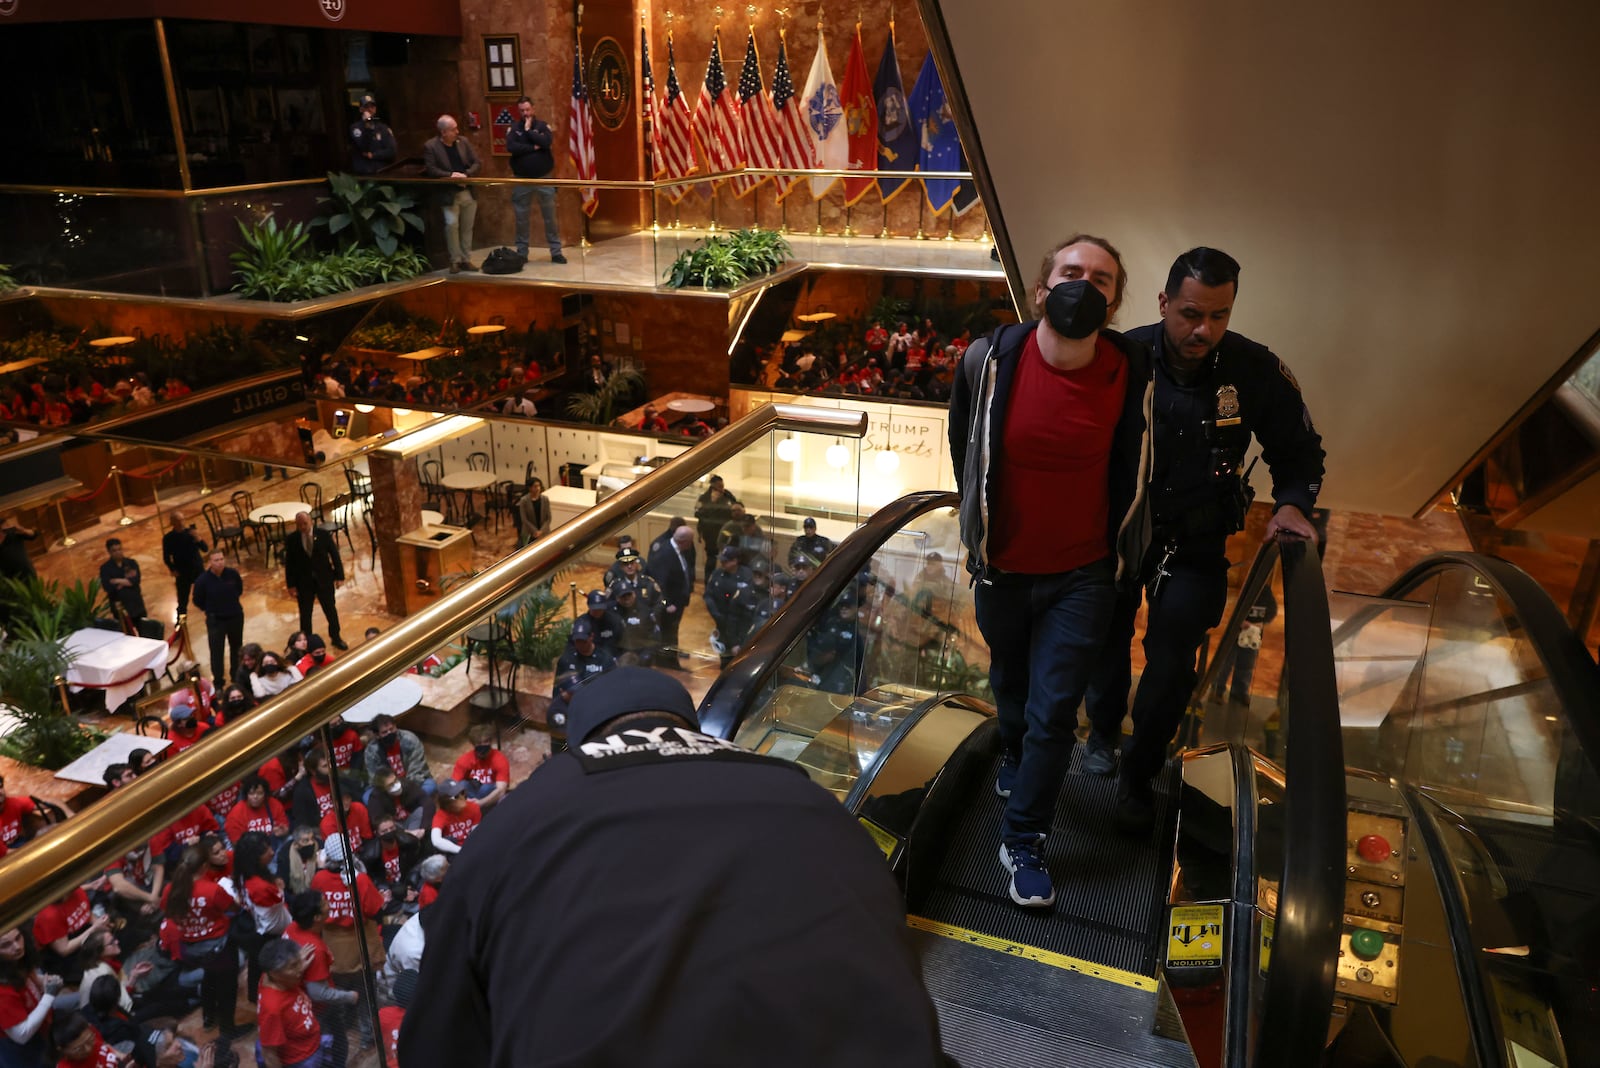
(692, 405)
(430, 518)
(394, 697)
(285, 510)
(468, 480)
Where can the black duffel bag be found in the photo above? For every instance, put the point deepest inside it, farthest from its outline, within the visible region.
(503, 261)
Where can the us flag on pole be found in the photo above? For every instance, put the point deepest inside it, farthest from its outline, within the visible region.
(580, 131)
(716, 116)
(760, 122)
(674, 132)
(796, 149)
(647, 104)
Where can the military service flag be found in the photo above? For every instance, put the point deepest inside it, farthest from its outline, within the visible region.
(897, 134)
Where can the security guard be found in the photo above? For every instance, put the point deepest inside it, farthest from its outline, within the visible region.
(1213, 390)
(810, 545)
(730, 597)
(661, 877)
(372, 145)
(641, 638)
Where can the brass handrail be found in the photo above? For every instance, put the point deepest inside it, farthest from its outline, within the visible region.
(81, 848)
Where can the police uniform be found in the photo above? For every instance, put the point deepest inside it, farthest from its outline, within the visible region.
(370, 135)
(561, 958)
(1201, 426)
(810, 545)
(584, 665)
(731, 599)
(607, 624)
(641, 638)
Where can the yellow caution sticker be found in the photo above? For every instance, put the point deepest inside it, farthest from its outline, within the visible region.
(1268, 927)
(886, 842)
(1194, 936)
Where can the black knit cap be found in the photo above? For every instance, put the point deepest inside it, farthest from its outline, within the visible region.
(622, 690)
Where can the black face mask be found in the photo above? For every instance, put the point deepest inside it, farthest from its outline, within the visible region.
(391, 837)
(390, 741)
(482, 751)
(1075, 309)
(307, 852)
(235, 703)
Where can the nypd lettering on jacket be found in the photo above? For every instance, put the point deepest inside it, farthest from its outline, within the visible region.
(661, 745)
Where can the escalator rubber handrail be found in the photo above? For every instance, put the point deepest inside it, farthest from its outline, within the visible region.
(858, 792)
(80, 848)
(1573, 675)
(1298, 1003)
(728, 701)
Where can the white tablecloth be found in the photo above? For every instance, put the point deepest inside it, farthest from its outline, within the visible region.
(394, 697)
(91, 767)
(109, 656)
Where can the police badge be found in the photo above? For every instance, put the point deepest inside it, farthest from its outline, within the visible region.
(1227, 406)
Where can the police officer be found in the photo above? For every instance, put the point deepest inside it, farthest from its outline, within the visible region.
(827, 660)
(779, 587)
(583, 656)
(625, 548)
(809, 545)
(607, 624)
(1213, 389)
(629, 570)
(570, 962)
(371, 141)
(731, 599)
(561, 693)
(641, 638)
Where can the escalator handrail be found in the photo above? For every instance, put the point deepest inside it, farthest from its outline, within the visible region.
(1573, 675)
(81, 848)
(1299, 989)
(1255, 579)
(729, 700)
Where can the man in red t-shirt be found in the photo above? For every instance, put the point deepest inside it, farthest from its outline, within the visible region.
(186, 730)
(390, 1017)
(483, 769)
(346, 741)
(356, 818)
(285, 1022)
(81, 1046)
(18, 818)
(1052, 399)
(341, 898)
(456, 818)
(171, 841)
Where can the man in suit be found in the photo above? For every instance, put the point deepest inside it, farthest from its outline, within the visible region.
(451, 156)
(312, 568)
(672, 566)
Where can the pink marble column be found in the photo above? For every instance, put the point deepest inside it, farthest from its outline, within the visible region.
(396, 509)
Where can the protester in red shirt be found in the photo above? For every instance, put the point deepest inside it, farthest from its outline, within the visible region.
(313, 795)
(26, 999)
(288, 1032)
(877, 338)
(18, 818)
(346, 740)
(202, 911)
(357, 821)
(432, 872)
(455, 819)
(171, 841)
(256, 811)
(332, 1005)
(261, 892)
(483, 769)
(342, 899)
(186, 730)
(283, 773)
(81, 1046)
(60, 930)
(390, 1017)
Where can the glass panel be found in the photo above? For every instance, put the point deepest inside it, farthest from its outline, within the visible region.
(1242, 688)
(117, 244)
(1378, 662)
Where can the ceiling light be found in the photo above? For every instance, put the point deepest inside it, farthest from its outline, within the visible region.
(789, 450)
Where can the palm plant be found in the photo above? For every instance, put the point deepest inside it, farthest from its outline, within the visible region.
(49, 611)
(601, 406)
(46, 735)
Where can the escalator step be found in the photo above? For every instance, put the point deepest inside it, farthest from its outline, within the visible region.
(1110, 889)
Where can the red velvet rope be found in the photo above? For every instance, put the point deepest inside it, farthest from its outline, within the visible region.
(93, 493)
(155, 475)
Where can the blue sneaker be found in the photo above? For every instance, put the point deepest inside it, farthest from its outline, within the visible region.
(1099, 756)
(1007, 777)
(1030, 879)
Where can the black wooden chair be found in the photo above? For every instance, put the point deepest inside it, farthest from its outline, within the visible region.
(360, 485)
(224, 535)
(498, 695)
(477, 461)
(271, 531)
(332, 521)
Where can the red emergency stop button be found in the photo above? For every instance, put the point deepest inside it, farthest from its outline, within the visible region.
(1373, 848)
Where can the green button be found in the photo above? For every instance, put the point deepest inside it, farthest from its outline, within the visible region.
(1366, 944)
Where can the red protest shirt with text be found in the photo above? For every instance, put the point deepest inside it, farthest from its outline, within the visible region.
(63, 919)
(11, 814)
(321, 964)
(459, 826)
(390, 1017)
(101, 1056)
(225, 801)
(286, 1023)
(178, 741)
(323, 791)
(208, 913)
(17, 1002)
(389, 855)
(342, 900)
(274, 775)
(242, 819)
(345, 746)
(496, 769)
(186, 832)
(357, 819)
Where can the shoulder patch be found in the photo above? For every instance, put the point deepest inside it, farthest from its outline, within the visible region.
(1284, 368)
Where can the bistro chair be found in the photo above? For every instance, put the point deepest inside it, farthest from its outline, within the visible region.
(477, 461)
(271, 532)
(224, 535)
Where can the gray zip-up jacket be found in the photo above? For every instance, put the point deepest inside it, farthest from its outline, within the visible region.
(978, 403)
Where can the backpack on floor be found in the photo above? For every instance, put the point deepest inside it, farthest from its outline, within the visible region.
(503, 261)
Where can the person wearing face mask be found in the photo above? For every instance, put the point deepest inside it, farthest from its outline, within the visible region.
(391, 797)
(400, 751)
(313, 795)
(483, 769)
(1055, 402)
(185, 730)
(273, 677)
(1212, 391)
(234, 702)
(391, 858)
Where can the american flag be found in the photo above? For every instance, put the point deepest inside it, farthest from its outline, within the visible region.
(716, 117)
(647, 104)
(796, 149)
(759, 121)
(580, 131)
(674, 132)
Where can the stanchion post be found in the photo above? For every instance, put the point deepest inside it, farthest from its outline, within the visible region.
(572, 595)
(849, 213)
(61, 688)
(122, 504)
(183, 629)
(818, 200)
(67, 540)
(922, 207)
(205, 486)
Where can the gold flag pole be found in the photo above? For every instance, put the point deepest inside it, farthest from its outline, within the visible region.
(818, 231)
(884, 231)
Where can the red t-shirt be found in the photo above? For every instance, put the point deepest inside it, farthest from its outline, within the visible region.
(342, 901)
(63, 919)
(321, 965)
(101, 1056)
(390, 1017)
(390, 856)
(242, 818)
(286, 1023)
(178, 741)
(225, 801)
(11, 814)
(345, 746)
(496, 769)
(1050, 507)
(186, 832)
(458, 827)
(357, 819)
(209, 905)
(16, 1002)
(427, 895)
(272, 771)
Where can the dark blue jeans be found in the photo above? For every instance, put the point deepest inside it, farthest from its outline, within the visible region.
(1045, 633)
(1189, 604)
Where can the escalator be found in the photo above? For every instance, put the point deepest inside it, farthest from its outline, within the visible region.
(1153, 953)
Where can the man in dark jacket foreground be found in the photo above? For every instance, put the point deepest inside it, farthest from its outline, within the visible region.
(656, 896)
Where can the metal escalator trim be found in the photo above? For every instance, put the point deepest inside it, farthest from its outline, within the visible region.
(1033, 953)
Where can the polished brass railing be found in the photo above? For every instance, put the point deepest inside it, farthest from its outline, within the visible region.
(82, 847)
